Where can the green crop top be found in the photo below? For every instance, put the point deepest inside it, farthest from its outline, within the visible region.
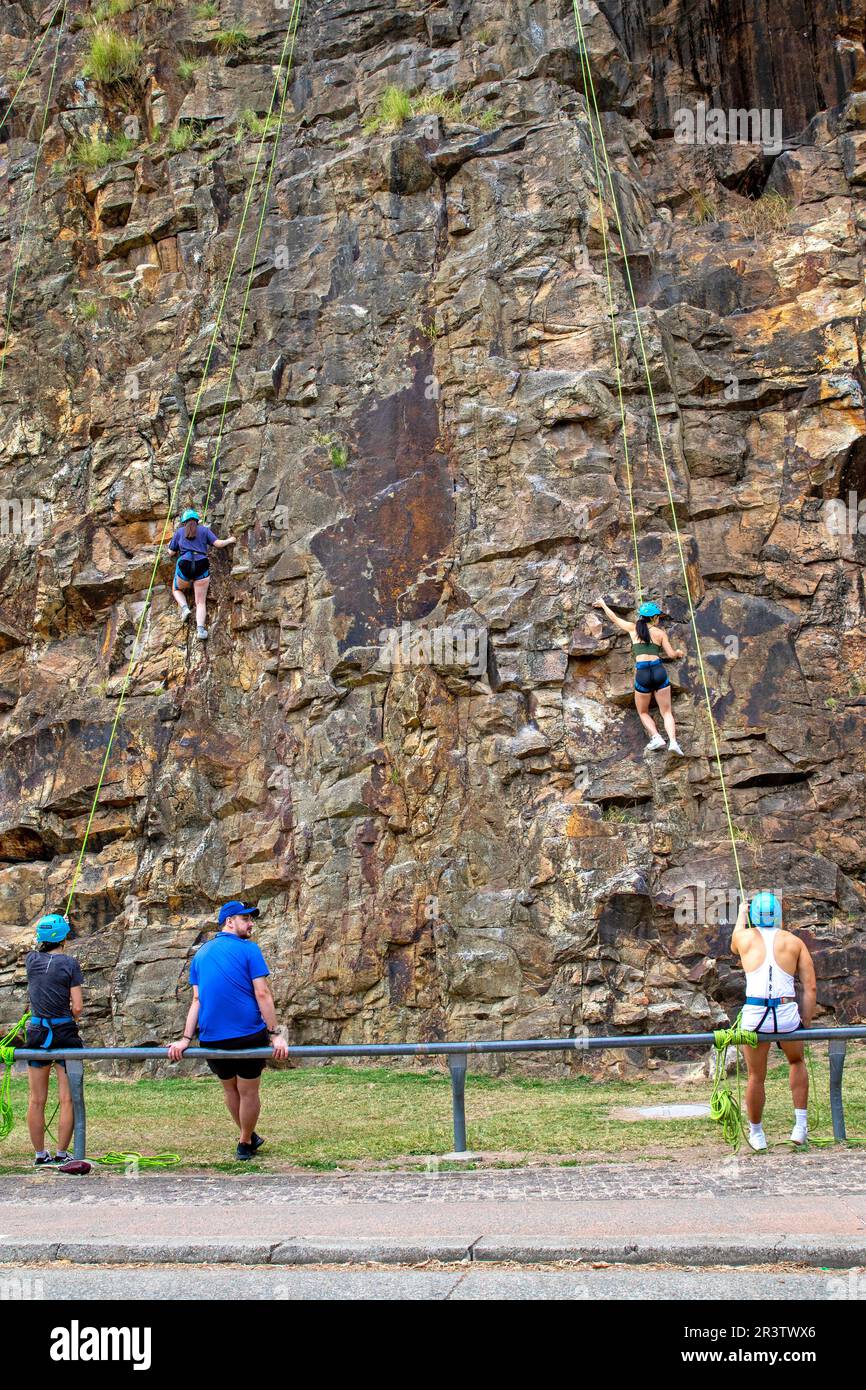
(646, 649)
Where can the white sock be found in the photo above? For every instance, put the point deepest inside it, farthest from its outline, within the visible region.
(801, 1119)
(757, 1130)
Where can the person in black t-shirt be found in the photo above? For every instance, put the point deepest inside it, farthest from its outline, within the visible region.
(54, 982)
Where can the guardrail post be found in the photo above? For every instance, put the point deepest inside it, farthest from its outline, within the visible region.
(75, 1073)
(837, 1049)
(457, 1067)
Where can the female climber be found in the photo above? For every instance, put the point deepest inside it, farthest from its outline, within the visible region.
(648, 645)
(191, 542)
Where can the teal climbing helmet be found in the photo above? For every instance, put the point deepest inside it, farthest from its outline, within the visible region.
(190, 515)
(52, 928)
(649, 610)
(765, 910)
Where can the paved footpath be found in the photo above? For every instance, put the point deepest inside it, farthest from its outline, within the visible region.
(783, 1207)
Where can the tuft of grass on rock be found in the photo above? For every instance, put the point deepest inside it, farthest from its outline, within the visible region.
(251, 124)
(97, 154)
(234, 40)
(112, 57)
(396, 107)
(703, 209)
(207, 11)
(769, 213)
(182, 137)
(188, 67)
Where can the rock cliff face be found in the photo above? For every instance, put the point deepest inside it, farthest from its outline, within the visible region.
(423, 435)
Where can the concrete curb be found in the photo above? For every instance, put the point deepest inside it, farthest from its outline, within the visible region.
(836, 1252)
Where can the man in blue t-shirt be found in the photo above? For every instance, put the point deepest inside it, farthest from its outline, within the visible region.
(234, 1009)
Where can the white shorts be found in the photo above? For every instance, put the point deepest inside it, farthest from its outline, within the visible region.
(788, 1016)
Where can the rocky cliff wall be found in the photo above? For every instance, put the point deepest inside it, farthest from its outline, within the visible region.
(423, 430)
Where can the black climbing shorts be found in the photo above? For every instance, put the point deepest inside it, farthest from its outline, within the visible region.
(650, 676)
(247, 1068)
(65, 1035)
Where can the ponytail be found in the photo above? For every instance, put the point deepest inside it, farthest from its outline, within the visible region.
(191, 528)
(642, 628)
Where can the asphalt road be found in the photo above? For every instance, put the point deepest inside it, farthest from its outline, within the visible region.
(244, 1283)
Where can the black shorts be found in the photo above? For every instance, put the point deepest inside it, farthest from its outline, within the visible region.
(247, 1068)
(65, 1035)
(650, 676)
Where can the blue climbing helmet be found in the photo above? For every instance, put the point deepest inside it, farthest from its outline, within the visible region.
(765, 910)
(53, 928)
(190, 515)
(649, 610)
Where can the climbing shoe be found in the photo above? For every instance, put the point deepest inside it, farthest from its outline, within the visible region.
(674, 747)
(244, 1152)
(201, 634)
(185, 613)
(42, 1159)
(655, 744)
(256, 1142)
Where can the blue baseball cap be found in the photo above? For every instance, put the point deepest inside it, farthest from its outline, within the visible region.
(190, 515)
(236, 910)
(765, 910)
(649, 610)
(52, 928)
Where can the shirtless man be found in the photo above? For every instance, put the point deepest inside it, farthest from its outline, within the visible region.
(772, 958)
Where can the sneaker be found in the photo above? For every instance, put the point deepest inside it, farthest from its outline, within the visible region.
(62, 1156)
(799, 1135)
(674, 747)
(40, 1160)
(256, 1142)
(758, 1142)
(201, 634)
(655, 743)
(185, 613)
(244, 1152)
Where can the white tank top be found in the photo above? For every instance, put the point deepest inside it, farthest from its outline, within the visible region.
(769, 980)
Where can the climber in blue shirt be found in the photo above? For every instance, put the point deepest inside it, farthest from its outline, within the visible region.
(191, 543)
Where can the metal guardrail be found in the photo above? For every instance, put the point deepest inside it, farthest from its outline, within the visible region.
(456, 1052)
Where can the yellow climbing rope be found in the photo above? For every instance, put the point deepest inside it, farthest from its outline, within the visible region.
(61, 4)
(726, 1107)
(594, 118)
(294, 21)
(32, 189)
(7, 1057)
(287, 49)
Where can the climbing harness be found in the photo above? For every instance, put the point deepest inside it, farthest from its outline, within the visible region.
(32, 190)
(286, 54)
(49, 1024)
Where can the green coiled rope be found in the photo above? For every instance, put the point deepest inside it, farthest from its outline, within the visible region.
(725, 1107)
(134, 1160)
(7, 1057)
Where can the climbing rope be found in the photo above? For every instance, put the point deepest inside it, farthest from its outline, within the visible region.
(725, 1107)
(602, 219)
(288, 45)
(294, 21)
(32, 189)
(7, 1057)
(137, 1160)
(61, 4)
(593, 110)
